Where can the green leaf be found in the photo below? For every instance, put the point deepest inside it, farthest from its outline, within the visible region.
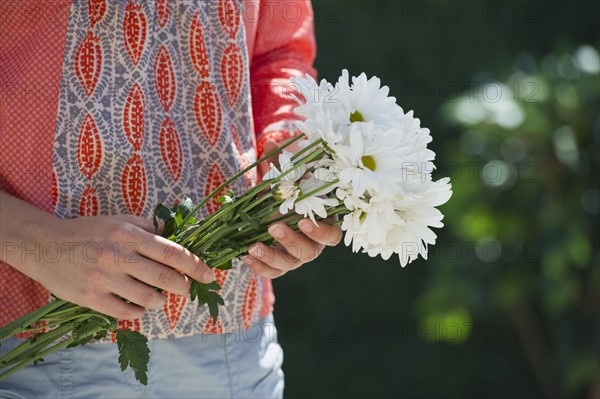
(134, 353)
(205, 293)
(213, 285)
(101, 335)
(162, 212)
(88, 330)
(185, 207)
(226, 198)
(82, 341)
(227, 215)
(170, 227)
(253, 222)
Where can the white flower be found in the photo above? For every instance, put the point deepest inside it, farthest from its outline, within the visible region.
(368, 225)
(365, 101)
(378, 163)
(289, 170)
(316, 202)
(419, 214)
(320, 127)
(325, 170)
(354, 233)
(288, 192)
(372, 160)
(317, 96)
(382, 226)
(285, 188)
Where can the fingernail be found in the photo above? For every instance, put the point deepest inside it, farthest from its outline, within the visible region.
(306, 226)
(254, 251)
(248, 260)
(276, 231)
(209, 276)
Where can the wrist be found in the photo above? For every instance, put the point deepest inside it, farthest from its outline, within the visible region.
(24, 233)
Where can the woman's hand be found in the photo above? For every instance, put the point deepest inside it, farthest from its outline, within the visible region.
(106, 263)
(295, 248)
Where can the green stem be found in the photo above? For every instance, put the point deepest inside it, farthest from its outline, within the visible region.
(208, 222)
(82, 315)
(236, 176)
(264, 215)
(303, 161)
(36, 342)
(306, 149)
(21, 324)
(208, 238)
(54, 348)
(265, 237)
(258, 201)
(248, 195)
(36, 357)
(65, 313)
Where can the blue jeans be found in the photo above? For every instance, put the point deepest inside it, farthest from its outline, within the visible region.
(244, 364)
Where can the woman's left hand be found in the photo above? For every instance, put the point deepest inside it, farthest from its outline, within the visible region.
(295, 247)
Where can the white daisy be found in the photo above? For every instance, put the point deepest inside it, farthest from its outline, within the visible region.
(320, 127)
(317, 96)
(372, 160)
(377, 164)
(365, 101)
(285, 187)
(419, 214)
(289, 170)
(317, 201)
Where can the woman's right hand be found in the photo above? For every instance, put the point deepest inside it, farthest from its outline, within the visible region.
(106, 263)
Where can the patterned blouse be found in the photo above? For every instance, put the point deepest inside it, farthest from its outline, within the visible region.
(109, 107)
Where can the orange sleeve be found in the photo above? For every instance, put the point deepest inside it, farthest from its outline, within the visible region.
(284, 46)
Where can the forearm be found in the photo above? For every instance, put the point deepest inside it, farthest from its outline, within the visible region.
(21, 226)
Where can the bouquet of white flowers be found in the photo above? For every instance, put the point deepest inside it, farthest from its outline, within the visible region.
(362, 159)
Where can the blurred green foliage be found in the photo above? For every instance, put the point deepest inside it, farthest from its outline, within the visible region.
(508, 303)
(531, 201)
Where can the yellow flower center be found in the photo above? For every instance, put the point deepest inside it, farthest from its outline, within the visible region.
(369, 162)
(356, 117)
(286, 190)
(362, 216)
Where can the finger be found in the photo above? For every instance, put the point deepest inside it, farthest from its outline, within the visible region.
(171, 254)
(322, 233)
(262, 268)
(115, 307)
(138, 293)
(269, 146)
(296, 244)
(277, 258)
(142, 223)
(158, 275)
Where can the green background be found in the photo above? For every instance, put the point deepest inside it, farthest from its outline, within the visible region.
(507, 304)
